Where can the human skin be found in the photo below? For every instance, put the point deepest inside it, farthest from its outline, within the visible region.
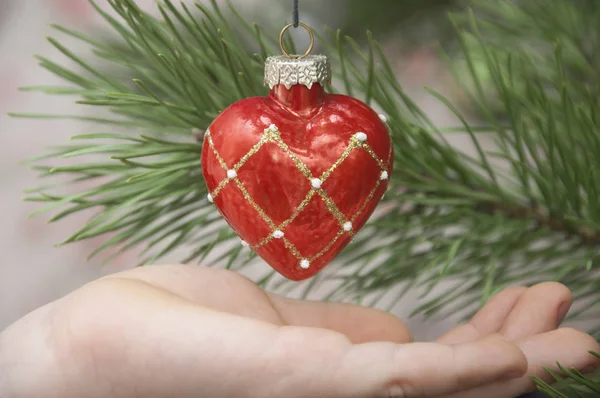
(183, 331)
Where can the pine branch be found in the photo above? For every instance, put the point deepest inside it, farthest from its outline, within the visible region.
(188, 66)
(526, 211)
(523, 212)
(543, 220)
(572, 383)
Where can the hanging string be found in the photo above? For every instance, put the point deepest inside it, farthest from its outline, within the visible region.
(296, 14)
(296, 24)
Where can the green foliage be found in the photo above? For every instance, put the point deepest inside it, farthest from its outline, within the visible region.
(536, 29)
(571, 383)
(186, 70)
(522, 210)
(386, 17)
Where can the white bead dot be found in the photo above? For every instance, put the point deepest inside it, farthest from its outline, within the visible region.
(273, 128)
(348, 226)
(231, 174)
(210, 198)
(304, 264)
(383, 118)
(362, 137)
(316, 183)
(384, 176)
(244, 243)
(278, 234)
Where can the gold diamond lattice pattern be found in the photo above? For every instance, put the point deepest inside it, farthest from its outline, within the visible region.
(272, 134)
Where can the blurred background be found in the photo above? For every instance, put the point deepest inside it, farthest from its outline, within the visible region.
(32, 270)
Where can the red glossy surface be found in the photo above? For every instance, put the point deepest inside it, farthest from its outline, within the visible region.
(317, 128)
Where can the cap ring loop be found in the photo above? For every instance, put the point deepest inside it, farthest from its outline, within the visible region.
(310, 47)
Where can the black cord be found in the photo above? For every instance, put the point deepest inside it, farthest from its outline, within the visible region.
(296, 14)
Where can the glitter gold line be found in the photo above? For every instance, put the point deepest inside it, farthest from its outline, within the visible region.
(292, 249)
(366, 202)
(341, 232)
(212, 146)
(333, 209)
(254, 204)
(329, 245)
(263, 242)
(219, 187)
(299, 209)
(270, 135)
(299, 164)
(242, 161)
(263, 140)
(346, 153)
(287, 222)
(367, 148)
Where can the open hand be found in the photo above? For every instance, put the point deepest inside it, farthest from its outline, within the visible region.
(182, 331)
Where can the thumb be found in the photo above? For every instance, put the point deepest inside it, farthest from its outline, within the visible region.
(425, 369)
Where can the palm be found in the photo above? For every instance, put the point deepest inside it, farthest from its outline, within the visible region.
(230, 293)
(177, 331)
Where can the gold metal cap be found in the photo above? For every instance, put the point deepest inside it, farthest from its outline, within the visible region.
(307, 71)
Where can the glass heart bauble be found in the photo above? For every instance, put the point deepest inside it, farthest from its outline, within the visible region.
(298, 173)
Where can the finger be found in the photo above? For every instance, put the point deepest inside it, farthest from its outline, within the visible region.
(426, 369)
(488, 320)
(540, 309)
(359, 324)
(569, 347)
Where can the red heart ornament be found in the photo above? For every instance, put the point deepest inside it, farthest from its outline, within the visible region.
(298, 173)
